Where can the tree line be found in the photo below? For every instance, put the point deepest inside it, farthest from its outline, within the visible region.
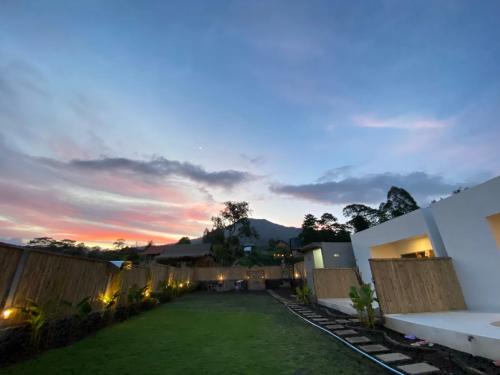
(328, 229)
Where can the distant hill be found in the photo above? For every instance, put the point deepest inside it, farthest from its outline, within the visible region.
(268, 230)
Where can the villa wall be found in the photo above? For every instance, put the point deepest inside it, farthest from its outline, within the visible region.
(467, 223)
(413, 225)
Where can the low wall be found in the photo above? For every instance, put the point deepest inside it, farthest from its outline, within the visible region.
(334, 282)
(238, 273)
(416, 285)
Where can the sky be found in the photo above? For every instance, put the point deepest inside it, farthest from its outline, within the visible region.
(138, 119)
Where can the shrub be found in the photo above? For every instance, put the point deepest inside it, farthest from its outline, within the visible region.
(35, 317)
(362, 300)
(149, 303)
(303, 294)
(136, 294)
(121, 313)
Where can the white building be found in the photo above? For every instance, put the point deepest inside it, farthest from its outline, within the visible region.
(465, 227)
(326, 255)
(469, 225)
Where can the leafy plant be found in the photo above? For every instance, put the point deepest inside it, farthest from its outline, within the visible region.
(83, 307)
(303, 294)
(35, 317)
(136, 294)
(110, 301)
(362, 298)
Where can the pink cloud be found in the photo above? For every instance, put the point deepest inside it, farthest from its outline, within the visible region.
(405, 123)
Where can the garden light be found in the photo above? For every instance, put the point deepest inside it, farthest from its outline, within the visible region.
(7, 313)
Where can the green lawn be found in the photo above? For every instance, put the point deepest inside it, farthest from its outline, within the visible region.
(205, 333)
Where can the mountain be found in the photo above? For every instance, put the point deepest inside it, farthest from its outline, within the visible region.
(268, 230)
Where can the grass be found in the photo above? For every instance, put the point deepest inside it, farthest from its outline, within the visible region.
(204, 333)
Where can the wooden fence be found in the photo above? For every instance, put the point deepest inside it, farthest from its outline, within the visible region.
(416, 285)
(9, 258)
(299, 271)
(334, 282)
(50, 279)
(238, 273)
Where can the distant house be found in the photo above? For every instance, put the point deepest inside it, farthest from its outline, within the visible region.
(327, 255)
(248, 248)
(152, 252)
(195, 255)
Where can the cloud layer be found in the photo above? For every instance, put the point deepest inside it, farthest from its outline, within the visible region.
(162, 167)
(99, 200)
(371, 188)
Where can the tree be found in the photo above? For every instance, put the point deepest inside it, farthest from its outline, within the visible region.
(399, 202)
(119, 244)
(309, 230)
(42, 242)
(184, 241)
(325, 229)
(227, 228)
(361, 216)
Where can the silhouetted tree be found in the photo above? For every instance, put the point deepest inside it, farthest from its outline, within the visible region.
(227, 228)
(361, 216)
(119, 244)
(184, 241)
(326, 229)
(399, 202)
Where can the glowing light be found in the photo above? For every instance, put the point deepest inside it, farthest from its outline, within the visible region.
(147, 293)
(181, 285)
(7, 313)
(297, 275)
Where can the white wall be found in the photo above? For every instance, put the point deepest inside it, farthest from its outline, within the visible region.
(414, 224)
(337, 255)
(470, 241)
(309, 266)
(324, 256)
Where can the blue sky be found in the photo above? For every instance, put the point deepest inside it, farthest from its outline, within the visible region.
(110, 111)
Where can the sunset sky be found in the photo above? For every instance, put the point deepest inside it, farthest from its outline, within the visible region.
(136, 119)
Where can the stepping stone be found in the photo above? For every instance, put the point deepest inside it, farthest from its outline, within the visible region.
(343, 321)
(345, 332)
(373, 348)
(358, 339)
(335, 326)
(320, 319)
(392, 357)
(354, 320)
(328, 322)
(419, 368)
